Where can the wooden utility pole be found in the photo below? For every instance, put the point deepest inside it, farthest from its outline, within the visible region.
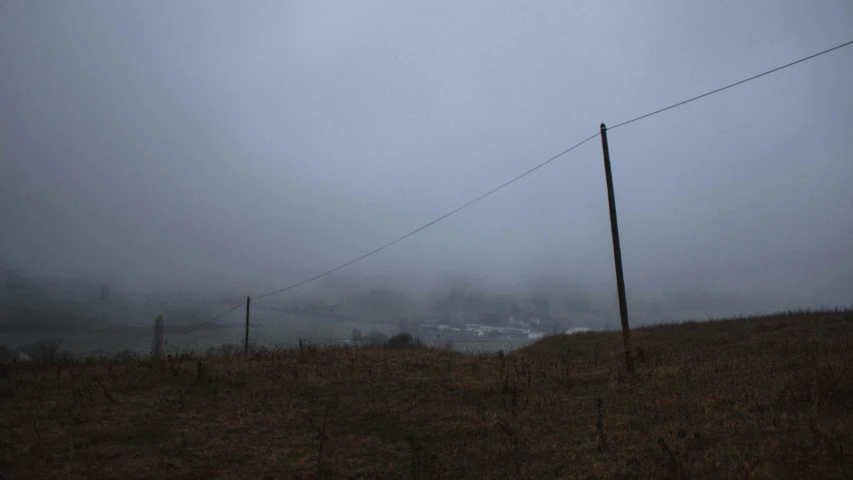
(617, 254)
(246, 342)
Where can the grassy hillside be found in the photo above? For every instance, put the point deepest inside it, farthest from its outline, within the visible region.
(767, 397)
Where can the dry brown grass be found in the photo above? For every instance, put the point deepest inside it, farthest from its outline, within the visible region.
(754, 398)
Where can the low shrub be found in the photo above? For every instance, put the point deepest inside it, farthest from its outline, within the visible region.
(404, 340)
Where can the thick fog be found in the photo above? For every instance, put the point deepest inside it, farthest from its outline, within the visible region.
(237, 147)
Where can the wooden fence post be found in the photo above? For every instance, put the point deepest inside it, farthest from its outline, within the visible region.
(246, 342)
(157, 350)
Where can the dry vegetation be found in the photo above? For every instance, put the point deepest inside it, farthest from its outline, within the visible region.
(767, 397)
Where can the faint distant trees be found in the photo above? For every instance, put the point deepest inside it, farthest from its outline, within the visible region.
(461, 303)
(105, 292)
(357, 336)
(541, 307)
(515, 310)
(19, 286)
(493, 319)
(403, 325)
(45, 352)
(379, 304)
(577, 302)
(474, 301)
(48, 351)
(375, 338)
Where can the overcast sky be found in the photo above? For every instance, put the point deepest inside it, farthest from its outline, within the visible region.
(242, 146)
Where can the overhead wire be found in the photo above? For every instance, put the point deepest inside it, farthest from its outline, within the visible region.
(429, 224)
(515, 179)
(768, 72)
(191, 329)
(396, 240)
(211, 320)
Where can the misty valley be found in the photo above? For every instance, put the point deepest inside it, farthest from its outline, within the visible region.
(346, 240)
(91, 319)
(86, 319)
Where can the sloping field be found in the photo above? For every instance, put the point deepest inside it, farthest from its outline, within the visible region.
(767, 397)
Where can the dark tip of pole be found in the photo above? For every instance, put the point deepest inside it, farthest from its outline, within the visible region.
(603, 127)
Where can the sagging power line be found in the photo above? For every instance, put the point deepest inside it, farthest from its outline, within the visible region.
(519, 177)
(768, 72)
(401, 238)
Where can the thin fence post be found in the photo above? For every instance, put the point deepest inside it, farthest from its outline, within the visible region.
(157, 350)
(246, 342)
(617, 254)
